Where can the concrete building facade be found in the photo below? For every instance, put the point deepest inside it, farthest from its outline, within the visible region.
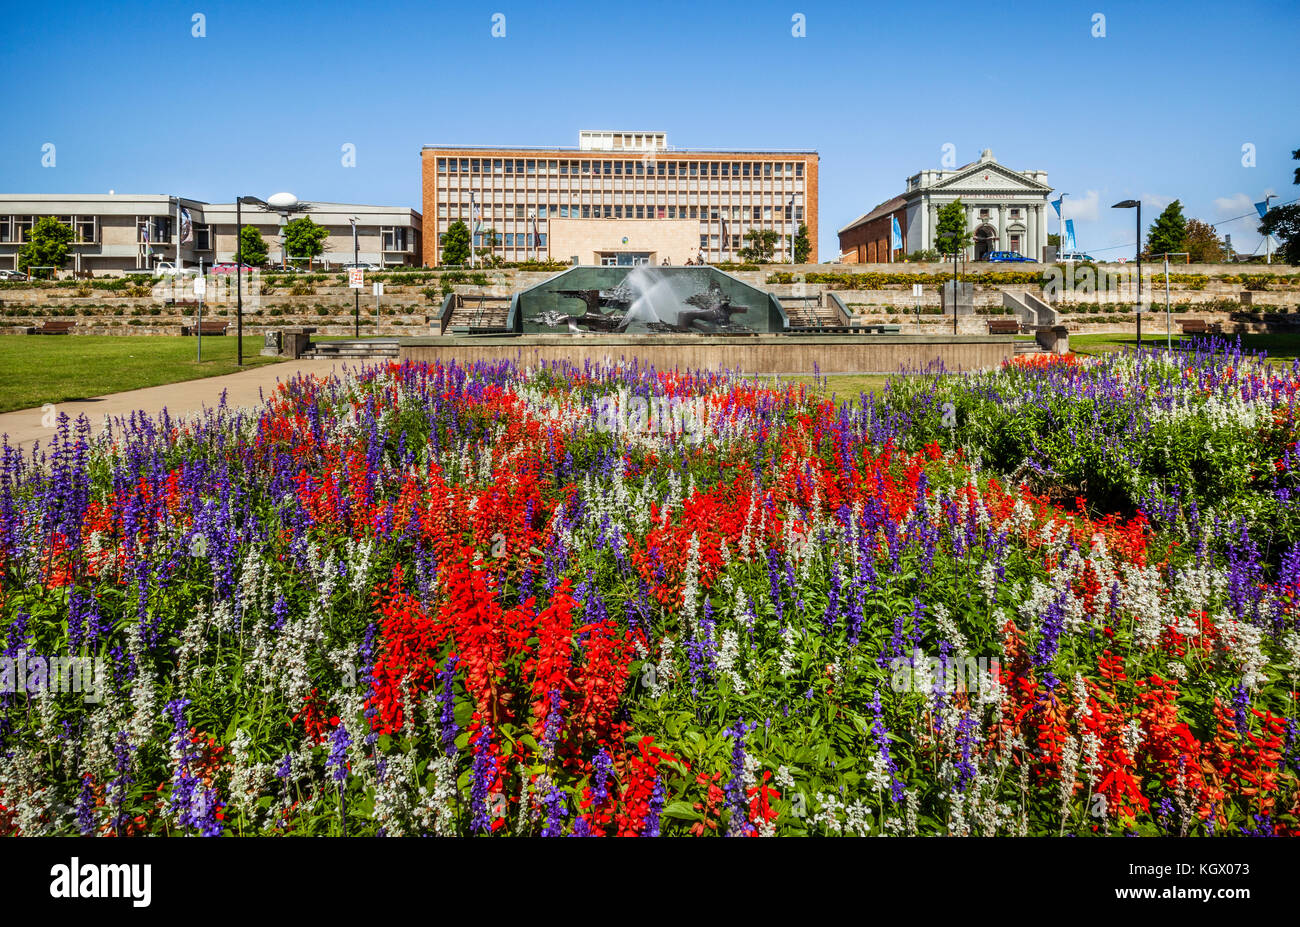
(611, 178)
(117, 233)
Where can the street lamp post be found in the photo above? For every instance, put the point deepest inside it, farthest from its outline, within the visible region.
(1136, 204)
(356, 294)
(239, 271)
(1268, 244)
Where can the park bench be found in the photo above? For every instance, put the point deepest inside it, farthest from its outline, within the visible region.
(56, 327)
(1198, 327)
(1004, 326)
(206, 328)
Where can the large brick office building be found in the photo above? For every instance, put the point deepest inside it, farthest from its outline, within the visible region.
(618, 198)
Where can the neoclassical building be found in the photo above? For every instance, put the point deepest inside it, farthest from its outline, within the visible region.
(1006, 210)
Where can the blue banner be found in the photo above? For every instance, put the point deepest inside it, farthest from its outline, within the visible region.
(896, 232)
(1261, 208)
(1056, 204)
(1069, 236)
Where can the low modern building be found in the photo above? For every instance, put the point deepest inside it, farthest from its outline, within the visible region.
(618, 198)
(116, 233)
(1006, 210)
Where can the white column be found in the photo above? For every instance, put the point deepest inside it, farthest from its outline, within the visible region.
(1002, 227)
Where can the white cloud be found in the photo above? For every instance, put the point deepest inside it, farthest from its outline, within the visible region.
(1234, 205)
(1156, 201)
(1082, 208)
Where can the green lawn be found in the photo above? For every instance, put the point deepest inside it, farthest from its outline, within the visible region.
(36, 369)
(844, 388)
(1279, 347)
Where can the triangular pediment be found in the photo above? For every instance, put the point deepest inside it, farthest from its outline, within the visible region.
(989, 175)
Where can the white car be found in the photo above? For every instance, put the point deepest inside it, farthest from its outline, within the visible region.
(168, 269)
(361, 265)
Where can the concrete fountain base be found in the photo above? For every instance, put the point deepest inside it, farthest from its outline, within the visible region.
(751, 354)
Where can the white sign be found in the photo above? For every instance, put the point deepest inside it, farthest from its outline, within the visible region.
(356, 278)
(916, 290)
(379, 288)
(200, 286)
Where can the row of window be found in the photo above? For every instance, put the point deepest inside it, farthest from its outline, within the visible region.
(648, 166)
(158, 230)
(618, 211)
(85, 229)
(1013, 213)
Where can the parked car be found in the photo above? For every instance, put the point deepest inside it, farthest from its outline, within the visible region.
(363, 265)
(1071, 256)
(228, 267)
(168, 269)
(12, 275)
(1005, 257)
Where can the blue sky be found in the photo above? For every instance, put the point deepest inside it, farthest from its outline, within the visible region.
(1159, 108)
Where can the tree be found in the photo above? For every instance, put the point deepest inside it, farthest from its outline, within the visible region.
(802, 246)
(46, 245)
(304, 238)
(455, 244)
(490, 238)
(1169, 232)
(1202, 243)
(762, 244)
(252, 246)
(1053, 240)
(1283, 222)
(952, 236)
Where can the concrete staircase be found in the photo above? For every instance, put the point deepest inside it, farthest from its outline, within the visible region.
(478, 315)
(809, 314)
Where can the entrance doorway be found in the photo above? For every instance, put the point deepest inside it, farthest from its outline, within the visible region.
(624, 258)
(986, 240)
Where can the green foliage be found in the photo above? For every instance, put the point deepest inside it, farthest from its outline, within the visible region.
(951, 234)
(304, 238)
(46, 245)
(456, 244)
(1169, 232)
(252, 246)
(1202, 243)
(762, 244)
(802, 246)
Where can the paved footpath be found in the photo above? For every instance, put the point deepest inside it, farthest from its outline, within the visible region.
(27, 426)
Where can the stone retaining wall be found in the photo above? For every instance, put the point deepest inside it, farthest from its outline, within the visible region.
(760, 354)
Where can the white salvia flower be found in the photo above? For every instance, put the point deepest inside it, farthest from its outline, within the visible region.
(1140, 595)
(247, 778)
(664, 671)
(828, 813)
(394, 804)
(359, 555)
(1069, 766)
(691, 583)
(1291, 646)
(786, 661)
(785, 780)
(1245, 643)
(947, 627)
(1176, 670)
(728, 653)
(857, 819)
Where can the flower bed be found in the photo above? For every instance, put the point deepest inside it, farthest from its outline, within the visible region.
(442, 600)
